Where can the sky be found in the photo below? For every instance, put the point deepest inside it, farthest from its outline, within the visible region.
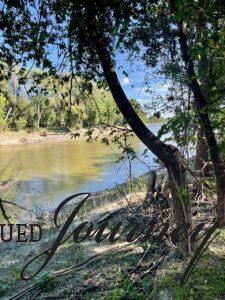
(134, 84)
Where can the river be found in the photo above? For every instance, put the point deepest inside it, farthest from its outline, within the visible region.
(48, 172)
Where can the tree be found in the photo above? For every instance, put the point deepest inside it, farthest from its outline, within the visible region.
(93, 34)
(202, 108)
(89, 30)
(137, 107)
(188, 32)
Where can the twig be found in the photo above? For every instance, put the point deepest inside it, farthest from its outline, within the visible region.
(21, 207)
(141, 260)
(4, 212)
(153, 266)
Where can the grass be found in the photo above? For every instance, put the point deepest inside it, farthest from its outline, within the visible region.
(207, 281)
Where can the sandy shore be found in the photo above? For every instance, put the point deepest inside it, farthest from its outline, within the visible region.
(26, 137)
(12, 138)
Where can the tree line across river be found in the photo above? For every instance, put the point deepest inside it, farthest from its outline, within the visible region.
(54, 101)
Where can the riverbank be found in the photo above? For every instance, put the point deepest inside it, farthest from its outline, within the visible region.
(27, 137)
(56, 280)
(109, 271)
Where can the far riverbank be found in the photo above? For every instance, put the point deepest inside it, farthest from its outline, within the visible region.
(27, 137)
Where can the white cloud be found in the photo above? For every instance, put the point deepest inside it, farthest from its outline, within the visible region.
(125, 81)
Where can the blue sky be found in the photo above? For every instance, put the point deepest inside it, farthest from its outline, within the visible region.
(134, 85)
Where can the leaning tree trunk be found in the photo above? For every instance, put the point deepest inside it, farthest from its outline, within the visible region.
(168, 154)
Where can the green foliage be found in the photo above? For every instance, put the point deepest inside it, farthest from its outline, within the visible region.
(137, 107)
(4, 286)
(15, 273)
(184, 195)
(127, 291)
(46, 281)
(2, 107)
(21, 123)
(51, 101)
(179, 125)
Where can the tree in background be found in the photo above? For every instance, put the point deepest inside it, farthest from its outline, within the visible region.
(43, 101)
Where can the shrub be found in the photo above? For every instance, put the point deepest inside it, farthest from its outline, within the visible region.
(21, 123)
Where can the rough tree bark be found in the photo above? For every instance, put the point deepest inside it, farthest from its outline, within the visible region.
(168, 154)
(202, 157)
